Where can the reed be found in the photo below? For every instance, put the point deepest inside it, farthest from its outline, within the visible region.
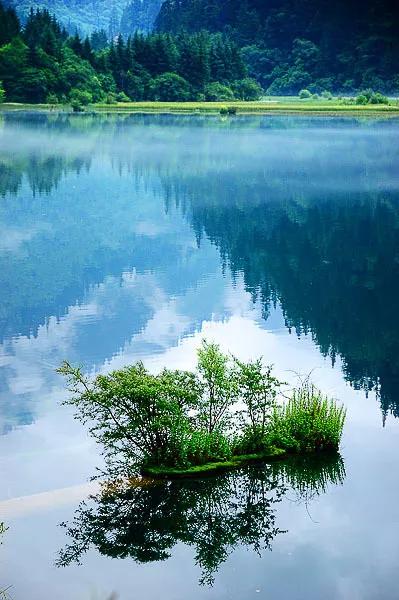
(309, 421)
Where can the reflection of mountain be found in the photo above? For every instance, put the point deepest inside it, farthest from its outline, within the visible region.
(104, 214)
(212, 515)
(80, 227)
(333, 264)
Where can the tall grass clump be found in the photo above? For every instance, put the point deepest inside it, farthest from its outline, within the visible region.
(309, 421)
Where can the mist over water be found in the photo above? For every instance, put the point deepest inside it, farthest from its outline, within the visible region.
(132, 237)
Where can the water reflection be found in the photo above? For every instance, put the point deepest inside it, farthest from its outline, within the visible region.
(105, 217)
(214, 515)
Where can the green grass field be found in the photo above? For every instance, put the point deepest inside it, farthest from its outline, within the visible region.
(267, 106)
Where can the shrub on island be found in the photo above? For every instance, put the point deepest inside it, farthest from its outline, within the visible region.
(224, 414)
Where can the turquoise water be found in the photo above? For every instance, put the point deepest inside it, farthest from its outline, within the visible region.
(134, 237)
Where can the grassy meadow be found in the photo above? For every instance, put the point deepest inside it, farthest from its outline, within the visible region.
(283, 104)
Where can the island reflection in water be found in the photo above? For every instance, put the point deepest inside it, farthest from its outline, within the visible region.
(213, 515)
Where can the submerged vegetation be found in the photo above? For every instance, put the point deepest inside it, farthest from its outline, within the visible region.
(214, 515)
(225, 414)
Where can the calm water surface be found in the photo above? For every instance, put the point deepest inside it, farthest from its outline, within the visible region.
(133, 237)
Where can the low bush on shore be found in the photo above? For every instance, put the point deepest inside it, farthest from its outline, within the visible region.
(180, 419)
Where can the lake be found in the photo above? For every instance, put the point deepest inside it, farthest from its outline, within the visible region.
(134, 237)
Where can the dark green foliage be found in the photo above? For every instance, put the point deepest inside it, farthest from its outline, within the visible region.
(80, 97)
(122, 97)
(216, 92)
(42, 60)
(290, 45)
(305, 94)
(247, 89)
(9, 25)
(169, 87)
(371, 97)
(281, 47)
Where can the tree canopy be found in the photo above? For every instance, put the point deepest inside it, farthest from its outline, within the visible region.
(41, 62)
(289, 45)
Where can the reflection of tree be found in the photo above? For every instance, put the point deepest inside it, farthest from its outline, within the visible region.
(334, 267)
(213, 515)
(306, 223)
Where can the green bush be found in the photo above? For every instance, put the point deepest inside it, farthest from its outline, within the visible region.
(170, 87)
(309, 421)
(122, 97)
(179, 419)
(371, 97)
(217, 92)
(257, 389)
(133, 414)
(378, 98)
(327, 95)
(82, 97)
(361, 100)
(224, 111)
(247, 89)
(304, 94)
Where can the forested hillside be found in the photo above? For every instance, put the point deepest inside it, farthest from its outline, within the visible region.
(292, 44)
(114, 16)
(202, 50)
(41, 62)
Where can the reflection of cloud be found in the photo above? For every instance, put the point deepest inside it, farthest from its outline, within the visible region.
(25, 505)
(13, 238)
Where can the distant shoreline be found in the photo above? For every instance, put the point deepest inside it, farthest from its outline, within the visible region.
(327, 108)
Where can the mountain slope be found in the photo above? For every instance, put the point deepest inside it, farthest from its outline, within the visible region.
(113, 16)
(298, 42)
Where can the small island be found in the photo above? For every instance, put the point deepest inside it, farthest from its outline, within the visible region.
(225, 414)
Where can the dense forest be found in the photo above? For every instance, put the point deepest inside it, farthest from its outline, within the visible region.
(41, 62)
(199, 50)
(293, 44)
